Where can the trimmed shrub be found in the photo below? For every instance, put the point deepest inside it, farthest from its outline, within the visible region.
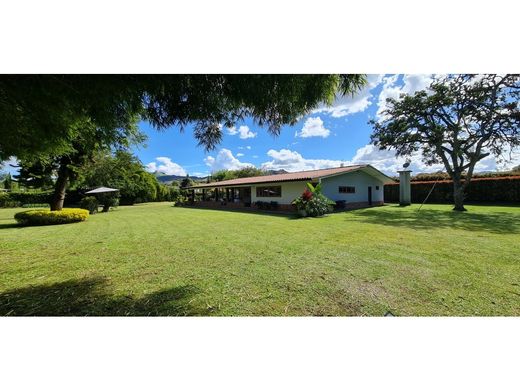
(47, 217)
(489, 189)
(89, 203)
(32, 197)
(36, 205)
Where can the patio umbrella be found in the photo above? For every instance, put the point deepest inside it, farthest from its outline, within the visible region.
(101, 190)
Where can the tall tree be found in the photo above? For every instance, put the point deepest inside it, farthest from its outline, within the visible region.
(187, 182)
(8, 181)
(457, 121)
(121, 170)
(36, 174)
(38, 113)
(226, 174)
(67, 117)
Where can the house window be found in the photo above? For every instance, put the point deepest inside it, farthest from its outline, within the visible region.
(269, 192)
(347, 190)
(377, 188)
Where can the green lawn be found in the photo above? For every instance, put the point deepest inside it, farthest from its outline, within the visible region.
(155, 259)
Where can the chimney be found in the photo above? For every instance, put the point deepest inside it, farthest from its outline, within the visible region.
(405, 193)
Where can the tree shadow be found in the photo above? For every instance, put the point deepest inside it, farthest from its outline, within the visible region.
(90, 297)
(491, 222)
(13, 225)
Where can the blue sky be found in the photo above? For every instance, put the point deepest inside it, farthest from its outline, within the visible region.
(326, 137)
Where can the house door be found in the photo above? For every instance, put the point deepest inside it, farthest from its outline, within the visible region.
(370, 195)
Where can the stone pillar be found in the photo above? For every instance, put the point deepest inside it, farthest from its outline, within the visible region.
(405, 190)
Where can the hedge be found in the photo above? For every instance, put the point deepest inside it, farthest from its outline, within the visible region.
(17, 199)
(489, 189)
(31, 197)
(47, 217)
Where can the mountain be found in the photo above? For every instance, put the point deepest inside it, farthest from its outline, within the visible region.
(275, 172)
(167, 179)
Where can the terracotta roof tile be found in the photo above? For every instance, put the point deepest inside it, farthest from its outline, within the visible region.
(293, 176)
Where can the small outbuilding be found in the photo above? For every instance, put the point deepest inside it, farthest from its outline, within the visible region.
(355, 186)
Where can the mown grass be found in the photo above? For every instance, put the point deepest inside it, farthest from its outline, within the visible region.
(155, 259)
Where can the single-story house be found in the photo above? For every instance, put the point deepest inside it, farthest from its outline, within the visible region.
(357, 185)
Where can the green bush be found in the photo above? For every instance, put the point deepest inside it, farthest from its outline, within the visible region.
(47, 217)
(31, 197)
(493, 189)
(7, 202)
(35, 205)
(89, 203)
(180, 200)
(108, 200)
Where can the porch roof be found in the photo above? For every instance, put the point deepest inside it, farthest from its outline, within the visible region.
(296, 176)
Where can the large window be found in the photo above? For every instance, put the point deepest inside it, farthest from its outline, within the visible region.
(269, 192)
(347, 190)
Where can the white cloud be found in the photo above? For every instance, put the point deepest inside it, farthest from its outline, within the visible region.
(165, 165)
(248, 147)
(508, 160)
(240, 154)
(387, 162)
(313, 127)
(199, 174)
(243, 132)
(384, 160)
(411, 84)
(224, 160)
(348, 104)
(293, 161)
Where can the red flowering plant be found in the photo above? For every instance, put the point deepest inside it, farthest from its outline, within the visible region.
(307, 195)
(312, 203)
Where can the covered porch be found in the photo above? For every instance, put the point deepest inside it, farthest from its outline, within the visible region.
(221, 197)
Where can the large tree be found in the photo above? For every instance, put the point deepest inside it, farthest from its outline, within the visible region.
(68, 117)
(226, 174)
(457, 121)
(36, 111)
(36, 174)
(121, 170)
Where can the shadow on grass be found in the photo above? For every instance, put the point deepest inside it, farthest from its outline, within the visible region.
(10, 225)
(492, 222)
(281, 214)
(90, 297)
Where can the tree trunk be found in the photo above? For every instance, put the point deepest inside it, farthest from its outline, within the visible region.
(458, 195)
(61, 185)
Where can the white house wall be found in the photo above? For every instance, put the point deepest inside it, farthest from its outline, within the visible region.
(290, 191)
(330, 188)
(358, 179)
